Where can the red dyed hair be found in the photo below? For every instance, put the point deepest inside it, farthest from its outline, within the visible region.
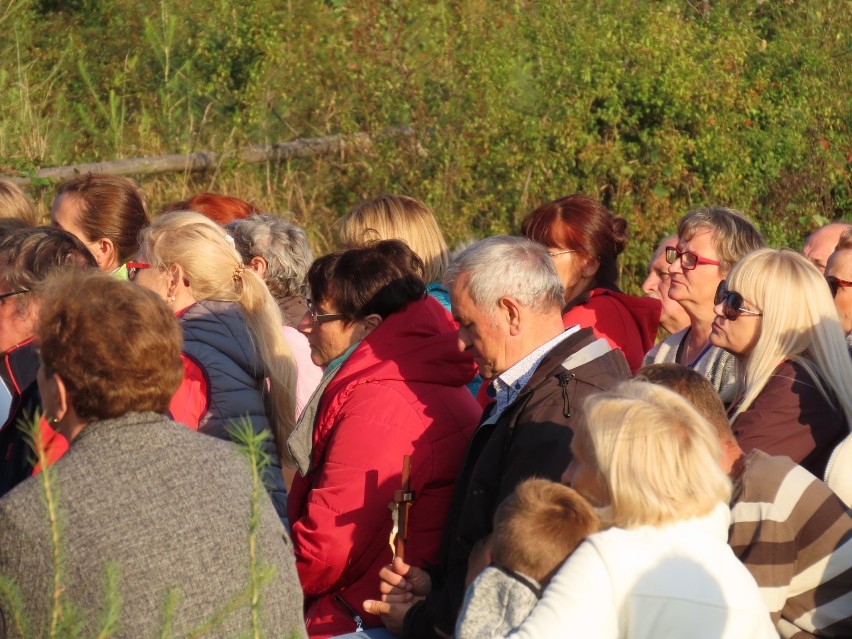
(584, 225)
(222, 209)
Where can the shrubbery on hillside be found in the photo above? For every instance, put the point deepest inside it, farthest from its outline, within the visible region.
(655, 107)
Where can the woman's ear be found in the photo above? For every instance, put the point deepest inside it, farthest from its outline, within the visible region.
(370, 323)
(590, 267)
(259, 266)
(176, 280)
(105, 254)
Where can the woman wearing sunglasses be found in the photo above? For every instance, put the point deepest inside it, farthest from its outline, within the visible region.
(775, 315)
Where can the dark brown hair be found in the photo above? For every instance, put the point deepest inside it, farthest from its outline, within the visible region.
(538, 526)
(109, 206)
(381, 278)
(115, 345)
(222, 209)
(28, 256)
(581, 224)
(694, 388)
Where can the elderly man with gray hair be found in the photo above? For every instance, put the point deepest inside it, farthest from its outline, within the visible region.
(507, 299)
(278, 251)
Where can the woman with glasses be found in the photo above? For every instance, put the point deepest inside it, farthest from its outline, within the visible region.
(838, 274)
(775, 315)
(236, 362)
(27, 258)
(584, 240)
(394, 385)
(710, 241)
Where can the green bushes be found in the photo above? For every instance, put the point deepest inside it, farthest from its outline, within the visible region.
(655, 107)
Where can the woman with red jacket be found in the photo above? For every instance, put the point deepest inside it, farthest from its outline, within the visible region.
(584, 240)
(393, 385)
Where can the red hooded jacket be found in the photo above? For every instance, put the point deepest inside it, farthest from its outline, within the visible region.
(401, 392)
(627, 322)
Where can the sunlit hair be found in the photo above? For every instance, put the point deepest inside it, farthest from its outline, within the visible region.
(397, 217)
(584, 225)
(696, 388)
(28, 256)
(115, 345)
(538, 526)
(507, 266)
(109, 207)
(222, 209)
(799, 323)
(215, 271)
(733, 234)
(15, 203)
(656, 455)
(282, 245)
(845, 241)
(380, 278)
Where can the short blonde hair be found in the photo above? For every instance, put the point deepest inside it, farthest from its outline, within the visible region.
(799, 323)
(215, 271)
(656, 455)
(397, 217)
(538, 526)
(15, 203)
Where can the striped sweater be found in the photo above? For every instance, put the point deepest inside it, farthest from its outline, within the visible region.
(795, 536)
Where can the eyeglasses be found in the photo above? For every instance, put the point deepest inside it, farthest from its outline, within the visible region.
(320, 318)
(133, 269)
(22, 291)
(732, 303)
(835, 283)
(688, 261)
(560, 252)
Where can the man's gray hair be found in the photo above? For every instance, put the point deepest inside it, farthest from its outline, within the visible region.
(507, 266)
(285, 248)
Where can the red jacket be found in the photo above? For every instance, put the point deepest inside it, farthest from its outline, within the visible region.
(627, 322)
(401, 392)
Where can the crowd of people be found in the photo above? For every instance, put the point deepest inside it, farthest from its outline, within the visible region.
(204, 423)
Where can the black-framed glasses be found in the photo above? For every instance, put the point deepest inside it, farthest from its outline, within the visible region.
(20, 292)
(835, 283)
(321, 318)
(732, 303)
(688, 261)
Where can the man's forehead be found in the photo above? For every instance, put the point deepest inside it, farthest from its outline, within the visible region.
(839, 264)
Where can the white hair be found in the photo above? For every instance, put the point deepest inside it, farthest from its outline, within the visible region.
(507, 266)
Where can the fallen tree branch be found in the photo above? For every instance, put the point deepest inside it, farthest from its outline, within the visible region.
(206, 160)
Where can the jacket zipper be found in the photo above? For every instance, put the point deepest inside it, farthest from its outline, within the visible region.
(344, 606)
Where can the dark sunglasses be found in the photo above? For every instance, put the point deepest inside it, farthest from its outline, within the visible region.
(732, 303)
(835, 283)
(688, 261)
(133, 269)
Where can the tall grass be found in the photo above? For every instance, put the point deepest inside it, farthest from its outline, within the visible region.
(655, 107)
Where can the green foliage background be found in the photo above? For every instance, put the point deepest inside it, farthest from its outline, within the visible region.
(655, 107)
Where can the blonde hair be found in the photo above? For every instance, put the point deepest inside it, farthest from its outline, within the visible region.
(397, 217)
(800, 324)
(215, 272)
(15, 203)
(658, 458)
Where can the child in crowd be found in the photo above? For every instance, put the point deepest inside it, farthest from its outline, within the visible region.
(535, 529)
